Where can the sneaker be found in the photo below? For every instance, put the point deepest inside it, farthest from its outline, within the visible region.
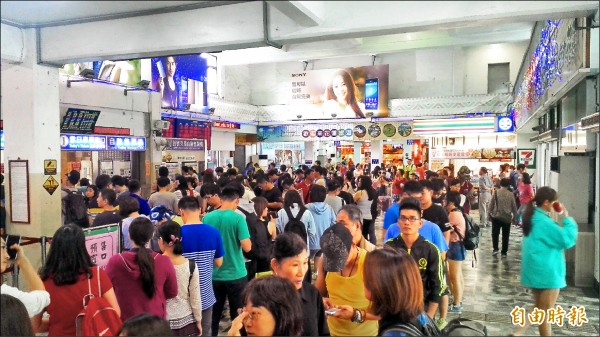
(457, 309)
(494, 253)
(441, 323)
(503, 255)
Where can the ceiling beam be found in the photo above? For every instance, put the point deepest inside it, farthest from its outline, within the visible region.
(299, 12)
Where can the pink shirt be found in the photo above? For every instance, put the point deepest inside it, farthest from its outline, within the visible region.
(525, 192)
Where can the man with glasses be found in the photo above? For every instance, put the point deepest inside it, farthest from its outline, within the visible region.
(425, 253)
(211, 195)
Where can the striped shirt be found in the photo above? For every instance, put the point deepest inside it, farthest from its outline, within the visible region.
(204, 244)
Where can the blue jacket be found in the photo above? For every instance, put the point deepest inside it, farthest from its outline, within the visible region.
(543, 251)
(324, 218)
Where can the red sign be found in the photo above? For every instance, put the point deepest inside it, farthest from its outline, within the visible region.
(76, 166)
(226, 125)
(105, 130)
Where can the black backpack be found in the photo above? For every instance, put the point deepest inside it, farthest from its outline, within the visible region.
(464, 327)
(75, 210)
(259, 236)
(413, 328)
(472, 232)
(295, 225)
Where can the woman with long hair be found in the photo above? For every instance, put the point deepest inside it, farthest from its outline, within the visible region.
(184, 311)
(525, 190)
(272, 307)
(340, 97)
(364, 197)
(185, 187)
(293, 204)
(393, 284)
(66, 273)
(143, 279)
(543, 267)
(349, 183)
(14, 320)
(456, 253)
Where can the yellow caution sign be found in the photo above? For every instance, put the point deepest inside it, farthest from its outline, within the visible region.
(50, 185)
(49, 167)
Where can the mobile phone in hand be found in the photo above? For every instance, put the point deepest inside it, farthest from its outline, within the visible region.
(331, 312)
(11, 240)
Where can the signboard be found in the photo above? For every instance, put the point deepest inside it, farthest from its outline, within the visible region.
(185, 144)
(191, 129)
(105, 130)
(288, 153)
(505, 124)
(50, 185)
(382, 130)
(18, 171)
(102, 243)
(79, 121)
(50, 167)
(124, 72)
(308, 162)
(305, 132)
(1, 139)
(358, 92)
(82, 142)
(375, 161)
(181, 80)
(226, 125)
(527, 157)
(486, 153)
(122, 143)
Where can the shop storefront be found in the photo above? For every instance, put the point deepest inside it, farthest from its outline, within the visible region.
(93, 154)
(183, 152)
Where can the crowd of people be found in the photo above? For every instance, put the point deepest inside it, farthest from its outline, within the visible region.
(287, 252)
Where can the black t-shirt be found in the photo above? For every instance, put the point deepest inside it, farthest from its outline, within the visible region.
(273, 195)
(437, 214)
(315, 323)
(107, 218)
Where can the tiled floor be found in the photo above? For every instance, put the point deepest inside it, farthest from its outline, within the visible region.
(493, 289)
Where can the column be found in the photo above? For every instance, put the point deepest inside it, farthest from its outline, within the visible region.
(309, 153)
(31, 116)
(377, 152)
(30, 110)
(357, 146)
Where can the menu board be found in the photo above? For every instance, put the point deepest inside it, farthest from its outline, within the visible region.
(79, 121)
(479, 153)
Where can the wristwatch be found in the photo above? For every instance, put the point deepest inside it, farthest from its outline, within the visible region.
(358, 316)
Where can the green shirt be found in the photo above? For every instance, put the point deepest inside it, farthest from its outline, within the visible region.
(233, 229)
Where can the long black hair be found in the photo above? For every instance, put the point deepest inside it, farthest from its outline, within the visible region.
(140, 232)
(14, 320)
(170, 232)
(542, 194)
(365, 183)
(293, 197)
(68, 258)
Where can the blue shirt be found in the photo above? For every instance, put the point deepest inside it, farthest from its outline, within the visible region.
(430, 231)
(144, 206)
(203, 243)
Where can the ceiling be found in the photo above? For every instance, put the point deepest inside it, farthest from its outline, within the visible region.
(44, 13)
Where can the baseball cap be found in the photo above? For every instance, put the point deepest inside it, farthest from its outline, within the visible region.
(209, 171)
(160, 212)
(336, 243)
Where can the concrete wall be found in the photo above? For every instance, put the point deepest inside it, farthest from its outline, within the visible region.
(416, 73)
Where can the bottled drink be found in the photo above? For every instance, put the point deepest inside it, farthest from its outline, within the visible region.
(557, 207)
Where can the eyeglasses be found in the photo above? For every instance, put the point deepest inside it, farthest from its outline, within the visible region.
(252, 314)
(411, 220)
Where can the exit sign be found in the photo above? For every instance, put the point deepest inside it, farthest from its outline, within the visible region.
(226, 125)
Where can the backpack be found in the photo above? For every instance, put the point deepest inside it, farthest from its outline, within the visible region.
(464, 327)
(98, 317)
(472, 232)
(295, 225)
(74, 209)
(259, 236)
(414, 328)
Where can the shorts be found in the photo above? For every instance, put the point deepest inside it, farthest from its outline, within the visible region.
(456, 252)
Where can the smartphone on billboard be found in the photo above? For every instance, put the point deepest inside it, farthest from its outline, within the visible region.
(372, 94)
(11, 240)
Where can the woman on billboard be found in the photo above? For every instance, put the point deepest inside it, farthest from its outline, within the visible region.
(168, 87)
(340, 97)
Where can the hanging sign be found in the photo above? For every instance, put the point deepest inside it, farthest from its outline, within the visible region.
(527, 157)
(226, 125)
(102, 243)
(185, 144)
(79, 121)
(82, 142)
(505, 124)
(121, 143)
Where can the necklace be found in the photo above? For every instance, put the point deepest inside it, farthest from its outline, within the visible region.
(353, 264)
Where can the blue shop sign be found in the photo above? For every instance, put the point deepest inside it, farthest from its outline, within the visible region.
(1, 139)
(126, 143)
(505, 124)
(82, 142)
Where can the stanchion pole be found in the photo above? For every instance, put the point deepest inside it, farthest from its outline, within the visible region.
(43, 244)
(15, 275)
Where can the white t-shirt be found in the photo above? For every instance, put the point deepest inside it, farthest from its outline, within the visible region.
(35, 301)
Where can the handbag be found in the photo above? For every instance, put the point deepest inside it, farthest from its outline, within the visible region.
(501, 217)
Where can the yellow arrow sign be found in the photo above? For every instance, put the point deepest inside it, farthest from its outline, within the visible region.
(50, 185)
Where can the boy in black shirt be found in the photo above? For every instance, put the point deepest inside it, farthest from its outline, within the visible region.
(425, 253)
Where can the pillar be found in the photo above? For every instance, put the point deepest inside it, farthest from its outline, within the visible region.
(377, 152)
(357, 146)
(309, 152)
(31, 116)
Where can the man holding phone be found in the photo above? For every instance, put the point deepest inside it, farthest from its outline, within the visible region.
(38, 298)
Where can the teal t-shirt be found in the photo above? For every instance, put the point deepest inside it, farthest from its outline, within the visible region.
(233, 229)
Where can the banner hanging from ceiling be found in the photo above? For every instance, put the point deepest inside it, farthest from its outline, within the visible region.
(305, 132)
(358, 92)
(382, 130)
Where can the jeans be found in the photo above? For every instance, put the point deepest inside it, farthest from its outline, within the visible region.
(206, 321)
(496, 226)
(368, 230)
(484, 207)
(232, 290)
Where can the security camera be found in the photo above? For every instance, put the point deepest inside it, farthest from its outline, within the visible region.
(538, 128)
(211, 111)
(87, 73)
(161, 125)
(334, 115)
(369, 114)
(144, 84)
(299, 116)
